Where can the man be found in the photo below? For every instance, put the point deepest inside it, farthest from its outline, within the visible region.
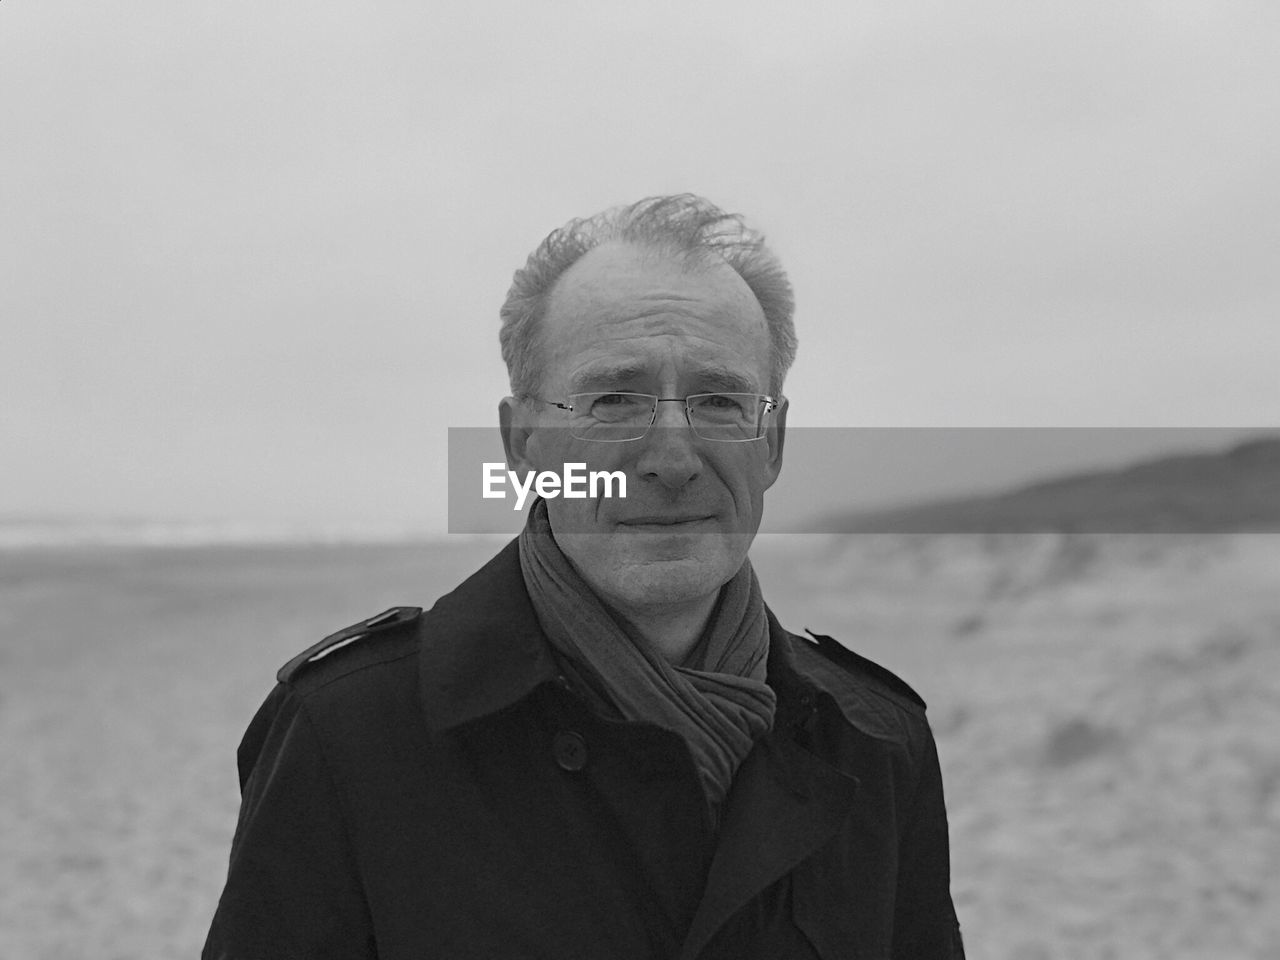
(603, 745)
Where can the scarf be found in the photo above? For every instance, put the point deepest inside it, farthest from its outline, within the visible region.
(717, 700)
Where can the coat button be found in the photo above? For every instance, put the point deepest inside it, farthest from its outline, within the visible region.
(570, 750)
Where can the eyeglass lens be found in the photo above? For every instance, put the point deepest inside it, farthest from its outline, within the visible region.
(727, 417)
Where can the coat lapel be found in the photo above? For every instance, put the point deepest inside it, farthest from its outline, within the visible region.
(785, 803)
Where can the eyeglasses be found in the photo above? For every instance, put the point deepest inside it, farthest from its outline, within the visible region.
(615, 417)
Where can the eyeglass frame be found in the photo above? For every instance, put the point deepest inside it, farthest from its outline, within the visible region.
(771, 404)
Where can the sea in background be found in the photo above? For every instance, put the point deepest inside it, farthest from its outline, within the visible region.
(1106, 708)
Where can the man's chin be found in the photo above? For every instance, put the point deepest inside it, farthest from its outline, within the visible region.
(644, 567)
(667, 582)
(663, 569)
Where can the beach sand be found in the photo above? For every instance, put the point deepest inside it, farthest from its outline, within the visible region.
(1106, 708)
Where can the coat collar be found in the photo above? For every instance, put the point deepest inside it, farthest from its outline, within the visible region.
(482, 650)
(481, 646)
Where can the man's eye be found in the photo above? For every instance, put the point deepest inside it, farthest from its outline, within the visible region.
(612, 407)
(720, 401)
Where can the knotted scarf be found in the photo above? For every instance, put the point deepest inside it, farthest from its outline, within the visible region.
(717, 700)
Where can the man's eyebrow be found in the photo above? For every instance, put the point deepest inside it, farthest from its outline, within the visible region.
(708, 379)
(723, 380)
(604, 377)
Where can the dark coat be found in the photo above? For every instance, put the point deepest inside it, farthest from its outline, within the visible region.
(437, 789)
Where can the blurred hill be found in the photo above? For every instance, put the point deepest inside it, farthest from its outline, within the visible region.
(1237, 490)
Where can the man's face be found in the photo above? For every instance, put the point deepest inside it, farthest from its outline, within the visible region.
(628, 319)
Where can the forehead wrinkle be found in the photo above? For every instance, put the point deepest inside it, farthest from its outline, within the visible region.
(683, 338)
(653, 314)
(667, 295)
(660, 323)
(599, 298)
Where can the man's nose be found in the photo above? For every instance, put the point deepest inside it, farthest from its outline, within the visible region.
(670, 453)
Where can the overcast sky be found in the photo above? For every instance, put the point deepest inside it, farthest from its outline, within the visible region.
(251, 254)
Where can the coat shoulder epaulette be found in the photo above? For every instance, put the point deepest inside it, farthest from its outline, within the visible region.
(886, 681)
(382, 624)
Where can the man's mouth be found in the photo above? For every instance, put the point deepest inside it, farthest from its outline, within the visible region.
(662, 520)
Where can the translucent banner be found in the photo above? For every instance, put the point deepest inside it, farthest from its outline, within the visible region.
(878, 480)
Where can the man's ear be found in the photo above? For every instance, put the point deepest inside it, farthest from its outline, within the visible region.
(514, 422)
(775, 435)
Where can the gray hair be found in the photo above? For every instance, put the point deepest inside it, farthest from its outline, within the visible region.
(685, 226)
